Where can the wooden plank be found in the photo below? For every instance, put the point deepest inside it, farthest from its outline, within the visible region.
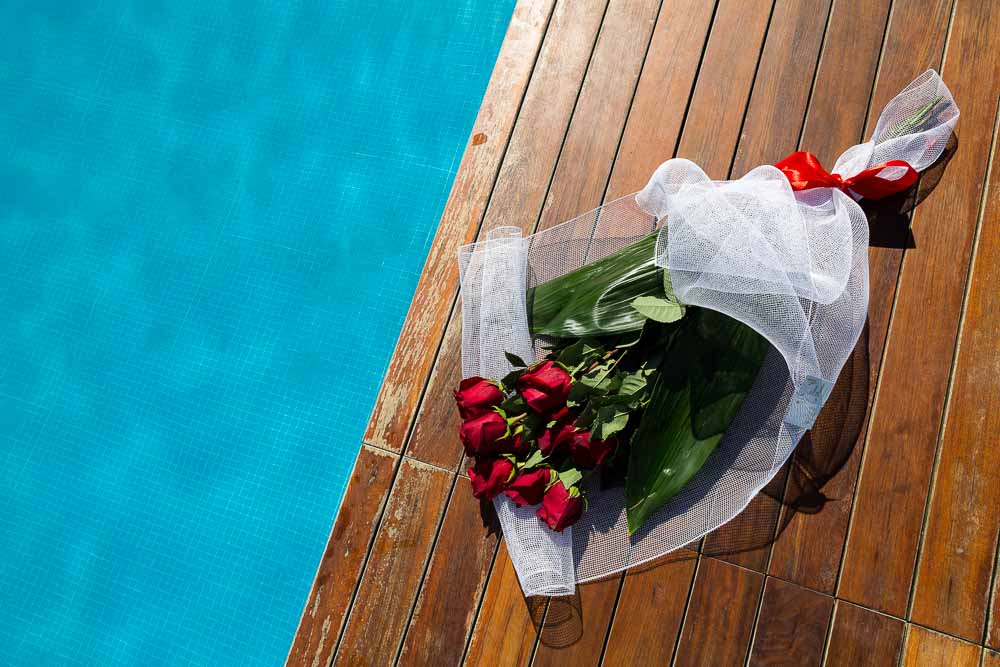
(435, 292)
(960, 540)
(569, 636)
(456, 576)
(881, 549)
(395, 565)
(863, 638)
(791, 626)
(808, 549)
(505, 630)
(649, 613)
(517, 200)
(991, 659)
(770, 132)
(343, 559)
(668, 75)
(926, 648)
(578, 185)
(724, 83)
(582, 176)
(781, 89)
(720, 616)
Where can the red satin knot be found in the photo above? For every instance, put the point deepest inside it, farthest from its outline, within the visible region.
(803, 171)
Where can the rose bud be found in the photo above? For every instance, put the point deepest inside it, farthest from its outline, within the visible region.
(545, 388)
(561, 507)
(589, 453)
(480, 434)
(513, 444)
(489, 477)
(553, 439)
(529, 486)
(477, 396)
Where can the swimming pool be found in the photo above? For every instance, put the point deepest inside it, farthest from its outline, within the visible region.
(213, 218)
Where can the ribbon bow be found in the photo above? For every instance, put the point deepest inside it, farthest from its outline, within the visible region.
(804, 171)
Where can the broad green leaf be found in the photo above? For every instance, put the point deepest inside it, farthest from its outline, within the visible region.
(710, 366)
(660, 310)
(596, 299)
(514, 360)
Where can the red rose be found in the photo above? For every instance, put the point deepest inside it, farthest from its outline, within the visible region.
(480, 434)
(587, 453)
(513, 444)
(529, 487)
(477, 396)
(555, 438)
(560, 508)
(545, 388)
(489, 477)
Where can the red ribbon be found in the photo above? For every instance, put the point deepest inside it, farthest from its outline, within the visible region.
(804, 171)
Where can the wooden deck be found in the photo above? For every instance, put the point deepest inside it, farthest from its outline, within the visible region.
(878, 544)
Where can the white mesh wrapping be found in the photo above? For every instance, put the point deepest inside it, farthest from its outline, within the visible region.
(792, 265)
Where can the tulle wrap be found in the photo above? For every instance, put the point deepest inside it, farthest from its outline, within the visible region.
(791, 264)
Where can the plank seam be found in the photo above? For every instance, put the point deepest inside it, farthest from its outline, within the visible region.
(746, 108)
(885, 348)
(427, 564)
(994, 594)
(364, 564)
(829, 632)
(454, 313)
(684, 612)
(939, 444)
(756, 621)
(614, 159)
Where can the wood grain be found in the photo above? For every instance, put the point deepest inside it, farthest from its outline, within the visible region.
(453, 586)
(863, 638)
(720, 616)
(395, 565)
(581, 182)
(770, 132)
(517, 200)
(435, 292)
(649, 613)
(668, 75)
(784, 80)
(578, 184)
(991, 659)
(960, 539)
(724, 83)
(344, 557)
(504, 633)
(809, 547)
(574, 629)
(791, 626)
(881, 552)
(926, 648)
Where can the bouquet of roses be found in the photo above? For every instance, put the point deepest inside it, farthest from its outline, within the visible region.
(642, 371)
(642, 397)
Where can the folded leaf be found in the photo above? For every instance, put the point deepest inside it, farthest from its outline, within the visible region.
(709, 368)
(596, 299)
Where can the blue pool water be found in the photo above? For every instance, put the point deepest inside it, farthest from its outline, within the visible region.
(212, 218)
